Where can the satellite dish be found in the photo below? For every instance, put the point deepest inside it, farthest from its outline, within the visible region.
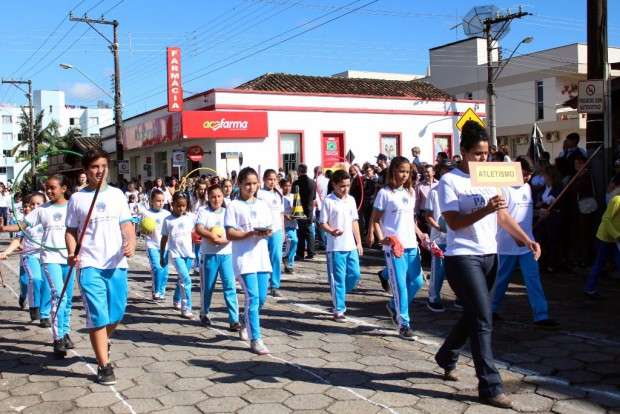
(473, 22)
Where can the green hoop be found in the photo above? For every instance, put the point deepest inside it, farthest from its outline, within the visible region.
(13, 199)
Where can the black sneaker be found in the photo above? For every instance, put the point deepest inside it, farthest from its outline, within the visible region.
(288, 270)
(406, 332)
(21, 302)
(34, 314)
(339, 317)
(309, 257)
(234, 327)
(45, 323)
(384, 283)
(60, 351)
(68, 342)
(547, 324)
(392, 313)
(275, 293)
(435, 306)
(204, 319)
(105, 375)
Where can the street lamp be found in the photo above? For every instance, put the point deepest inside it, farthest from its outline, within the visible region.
(503, 63)
(69, 66)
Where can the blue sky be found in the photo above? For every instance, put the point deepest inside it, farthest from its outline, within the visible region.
(388, 35)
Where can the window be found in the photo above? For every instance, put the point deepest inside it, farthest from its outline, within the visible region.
(540, 103)
(93, 120)
(469, 95)
(2, 170)
(7, 136)
(290, 150)
(71, 121)
(7, 119)
(51, 109)
(7, 153)
(390, 145)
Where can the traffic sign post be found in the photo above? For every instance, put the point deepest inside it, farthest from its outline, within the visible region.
(591, 99)
(469, 115)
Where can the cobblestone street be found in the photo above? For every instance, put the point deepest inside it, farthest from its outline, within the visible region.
(167, 364)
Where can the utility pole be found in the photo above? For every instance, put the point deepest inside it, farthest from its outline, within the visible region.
(597, 125)
(492, 36)
(33, 144)
(118, 115)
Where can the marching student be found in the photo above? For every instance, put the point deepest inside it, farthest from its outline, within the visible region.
(109, 238)
(290, 227)
(32, 284)
(227, 188)
(339, 220)
(272, 197)
(248, 222)
(159, 270)
(198, 199)
(472, 215)
(216, 257)
(176, 233)
(51, 216)
(393, 220)
(520, 206)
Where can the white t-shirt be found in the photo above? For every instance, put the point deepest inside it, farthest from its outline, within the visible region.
(339, 213)
(250, 255)
(30, 247)
(432, 205)
(52, 218)
(5, 199)
(102, 247)
(521, 208)
(289, 200)
(398, 208)
(275, 203)
(457, 194)
(153, 240)
(209, 218)
(179, 232)
(322, 183)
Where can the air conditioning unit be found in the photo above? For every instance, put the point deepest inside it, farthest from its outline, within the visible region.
(552, 136)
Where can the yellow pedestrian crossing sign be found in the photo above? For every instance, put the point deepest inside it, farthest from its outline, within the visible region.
(469, 115)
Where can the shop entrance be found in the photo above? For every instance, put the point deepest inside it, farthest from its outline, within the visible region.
(161, 164)
(332, 148)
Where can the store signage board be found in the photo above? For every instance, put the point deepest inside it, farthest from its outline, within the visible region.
(222, 124)
(495, 174)
(178, 158)
(175, 85)
(468, 115)
(591, 99)
(123, 167)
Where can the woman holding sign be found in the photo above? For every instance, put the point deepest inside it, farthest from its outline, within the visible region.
(473, 215)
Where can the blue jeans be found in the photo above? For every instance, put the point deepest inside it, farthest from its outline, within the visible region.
(39, 295)
(212, 264)
(343, 273)
(23, 284)
(275, 256)
(406, 278)
(471, 278)
(159, 274)
(438, 273)
(603, 251)
(290, 249)
(197, 256)
(531, 276)
(56, 275)
(255, 287)
(183, 291)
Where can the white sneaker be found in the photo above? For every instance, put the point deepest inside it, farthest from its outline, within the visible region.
(176, 305)
(243, 333)
(258, 347)
(187, 314)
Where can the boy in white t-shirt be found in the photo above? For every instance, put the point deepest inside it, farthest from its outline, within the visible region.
(339, 220)
(102, 259)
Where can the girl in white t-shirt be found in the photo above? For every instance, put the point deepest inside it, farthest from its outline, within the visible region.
(159, 270)
(273, 198)
(472, 215)
(216, 257)
(248, 223)
(176, 233)
(393, 220)
(51, 216)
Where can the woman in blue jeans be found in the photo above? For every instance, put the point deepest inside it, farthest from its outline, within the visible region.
(472, 215)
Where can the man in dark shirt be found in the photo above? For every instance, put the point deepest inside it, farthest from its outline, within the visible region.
(307, 194)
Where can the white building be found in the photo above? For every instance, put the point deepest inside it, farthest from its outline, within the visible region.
(280, 120)
(87, 120)
(532, 88)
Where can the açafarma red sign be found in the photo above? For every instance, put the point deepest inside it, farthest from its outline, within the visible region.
(218, 124)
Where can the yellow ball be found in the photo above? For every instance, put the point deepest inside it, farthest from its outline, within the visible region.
(148, 225)
(218, 231)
